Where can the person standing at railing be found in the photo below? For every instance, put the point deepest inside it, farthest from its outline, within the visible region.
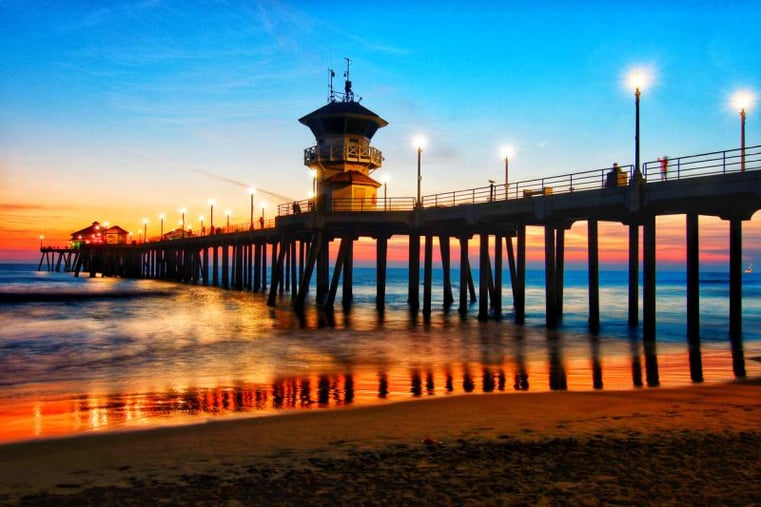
(616, 177)
(664, 167)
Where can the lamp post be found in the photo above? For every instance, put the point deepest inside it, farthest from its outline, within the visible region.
(261, 219)
(419, 143)
(638, 79)
(145, 230)
(203, 229)
(251, 192)
(507, 152)
(41, 238)
(211, 216)
(742, 139)
(162, 217)
(182, 210)
(742, 101)
(227, 214)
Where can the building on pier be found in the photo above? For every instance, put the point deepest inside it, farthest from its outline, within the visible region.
(342, 159)
(98, 234)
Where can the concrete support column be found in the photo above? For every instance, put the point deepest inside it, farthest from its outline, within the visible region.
(550, 281)
(735, 279)
(593, 261)
(381, 256)
(648, 300)
(464, 274)
(446, 268)
(520, 302)
(633, 275)
(497, 303)
(427, 276)
(693, 298)
(484, 267)
(348, 273)
(413, 292)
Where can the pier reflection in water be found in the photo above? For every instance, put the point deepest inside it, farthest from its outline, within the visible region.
(561, 369)
(195, 353)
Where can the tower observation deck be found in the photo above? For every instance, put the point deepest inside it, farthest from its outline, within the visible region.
(342, 159)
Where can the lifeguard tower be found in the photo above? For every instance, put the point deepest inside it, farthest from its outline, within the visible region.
(342, 159)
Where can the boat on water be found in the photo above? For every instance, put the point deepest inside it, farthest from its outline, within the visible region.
(749, 269)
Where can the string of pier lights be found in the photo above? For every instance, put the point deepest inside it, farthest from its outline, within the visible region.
(637, 79)
(741, 101)
(186, 228)
(419, 142)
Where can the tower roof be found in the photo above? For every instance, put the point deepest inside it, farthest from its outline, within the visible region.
(340, 118)
(352, 178)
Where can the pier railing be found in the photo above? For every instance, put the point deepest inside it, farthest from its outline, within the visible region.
(343, 152)
(691, 166)
(706, 164)
(337, 205)
(587, 180)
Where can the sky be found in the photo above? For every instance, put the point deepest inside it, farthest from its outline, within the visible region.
(121, 111)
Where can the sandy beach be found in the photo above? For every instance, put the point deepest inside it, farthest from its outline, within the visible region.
(696, 445)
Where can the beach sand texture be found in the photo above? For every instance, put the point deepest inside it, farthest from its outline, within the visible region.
(699, 445)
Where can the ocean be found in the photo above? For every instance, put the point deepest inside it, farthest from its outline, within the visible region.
(102, 354)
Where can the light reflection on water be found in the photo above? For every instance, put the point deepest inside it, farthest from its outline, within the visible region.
(132, 354)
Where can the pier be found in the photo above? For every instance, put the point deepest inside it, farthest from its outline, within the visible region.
(290, 256)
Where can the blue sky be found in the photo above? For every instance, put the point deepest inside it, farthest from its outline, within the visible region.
(129, 109)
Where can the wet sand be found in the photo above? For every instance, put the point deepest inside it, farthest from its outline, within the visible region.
(696, 445)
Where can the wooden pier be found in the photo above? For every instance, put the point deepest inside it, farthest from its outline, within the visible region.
(291, 256)
(60, 259)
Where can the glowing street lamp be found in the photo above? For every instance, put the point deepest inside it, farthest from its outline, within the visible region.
(145, 230)
(742, 100)
(41, 239)
(637, 79)
(419, 144)
(251, 192)
(162, 217)
(227, 214)
(211, 216)
(182, 210)
(507, 153)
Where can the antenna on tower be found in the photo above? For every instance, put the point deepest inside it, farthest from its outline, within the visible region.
(332, 94)
(348, 94)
